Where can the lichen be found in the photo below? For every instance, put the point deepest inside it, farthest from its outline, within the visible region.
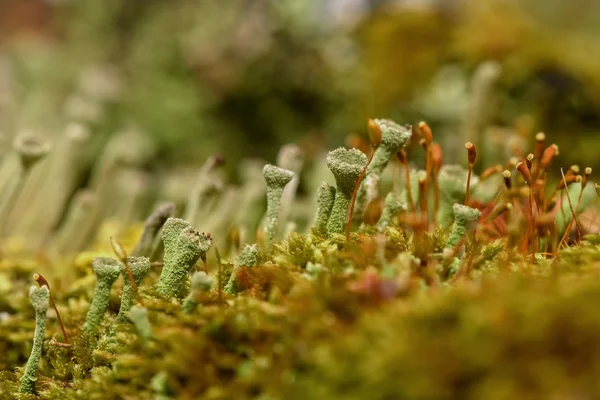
(346, 166)
(183, 247)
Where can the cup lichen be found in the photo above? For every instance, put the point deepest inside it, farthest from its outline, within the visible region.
(464, 219)
(107, 271)
(201, 283)
(346, 166)
(325, 199)
(40, 297)
(276, 179)
(139, 266)
(184, 245)
(247, 258)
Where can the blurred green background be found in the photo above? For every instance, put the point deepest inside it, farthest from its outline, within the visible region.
(244, 77)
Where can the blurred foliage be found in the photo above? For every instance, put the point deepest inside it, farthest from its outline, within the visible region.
(198, 77)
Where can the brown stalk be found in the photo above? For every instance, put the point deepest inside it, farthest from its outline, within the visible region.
(423, 200)
(220, 278)
(354, 193)
(567, 231)
(471, 155)
(375, 137)
(428, 137)
(404, 160)
(488, 172)
(529, 162)
(437, 161)
(540, 140)
(522, 168)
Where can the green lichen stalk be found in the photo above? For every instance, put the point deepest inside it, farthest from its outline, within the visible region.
(151, 228)
(39, 299)
(346, 166)
(201, 283)
(246, 259)
(30, 150)
(139, 266)
(139, 317)
(107, 271)
(325, 199)
(393, 138)
(290, 157)
(183, 247)
(393, 205)
(276, 179)
(464, 219)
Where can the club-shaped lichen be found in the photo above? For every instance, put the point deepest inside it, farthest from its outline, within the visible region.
(291, 158)
(452, 181)
(39, 299)
(276, 179)
(107, 271)
(393, 205)
(346, 166)
(139, 317)
(246, 259)
(183, 247)
(139, 266)
(464, 219)
(393, 138)
(325, 199)
(152, 226)
(30, 150)
(201, 283)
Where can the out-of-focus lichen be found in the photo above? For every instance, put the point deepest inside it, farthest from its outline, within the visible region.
(276, 179)
(247, 258)
(200, 283)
